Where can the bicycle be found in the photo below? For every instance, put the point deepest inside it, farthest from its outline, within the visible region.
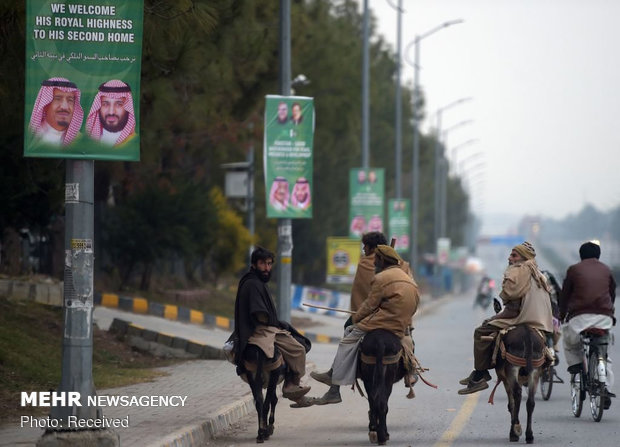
(548, 377)
(593, 375)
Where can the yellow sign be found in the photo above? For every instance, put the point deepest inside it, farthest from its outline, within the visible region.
(343, 255)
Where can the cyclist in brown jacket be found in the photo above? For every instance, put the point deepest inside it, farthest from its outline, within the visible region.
(587, 300)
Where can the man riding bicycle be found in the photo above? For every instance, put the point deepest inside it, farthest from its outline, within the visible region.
(587, 300)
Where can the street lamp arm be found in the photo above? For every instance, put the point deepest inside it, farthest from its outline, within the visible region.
(419, 37)
(456, 126)
(470, 141)
(398, 8)
(437, 28)
(455, 103)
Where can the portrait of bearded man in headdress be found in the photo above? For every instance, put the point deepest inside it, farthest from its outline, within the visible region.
(279, 194)
(112, 119)
(57, 114)
(301, 194)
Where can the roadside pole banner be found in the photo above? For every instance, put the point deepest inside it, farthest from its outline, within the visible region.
(443, 250)
(366, 198)
(287, 156)
(82, 96)
(398, 223)
(343, 255)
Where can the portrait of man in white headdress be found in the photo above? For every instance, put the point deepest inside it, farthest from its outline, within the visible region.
(279, 194)
(111, 119)
(300, 198)
(57, 114)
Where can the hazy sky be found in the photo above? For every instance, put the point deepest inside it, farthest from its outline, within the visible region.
(544, 76)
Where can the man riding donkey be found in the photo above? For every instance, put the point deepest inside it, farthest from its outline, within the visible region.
(525, 295)
(257, 323)
(390, 304)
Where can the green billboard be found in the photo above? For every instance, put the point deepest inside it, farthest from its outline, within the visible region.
(82, 93)
(366, 201)
(398, 223)
(287, 156)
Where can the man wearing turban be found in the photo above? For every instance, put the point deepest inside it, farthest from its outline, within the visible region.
(57, 114)
(390, 305)
(587, 300)
(525, 295)
(112, 119)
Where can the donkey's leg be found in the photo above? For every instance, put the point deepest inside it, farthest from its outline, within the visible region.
(372, 414)
(272, 399)
(510, 382)
(531, 403)
(256, 384)
(517, 394)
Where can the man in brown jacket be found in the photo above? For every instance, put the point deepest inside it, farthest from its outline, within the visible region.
(390, 305)
(365, 268)
(525, 295)
(587, 300)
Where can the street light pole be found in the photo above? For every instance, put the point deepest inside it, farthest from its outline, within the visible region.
(415, 169)
(365, 92)
(285, 228)
(399, 110)
(455, 149)
(439, 227)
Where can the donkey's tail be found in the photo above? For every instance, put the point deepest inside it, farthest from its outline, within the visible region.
(379, 372)
(529, 342)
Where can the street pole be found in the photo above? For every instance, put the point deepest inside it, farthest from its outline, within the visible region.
(365, 93)
(445, 167)
(285, 228)
(77, 343)
(250, 192)
(415, 169)
(454, 152)
(399, 111)
(437, 177)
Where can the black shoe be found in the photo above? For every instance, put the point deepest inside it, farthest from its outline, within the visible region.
(606, 402)
(485, 375)
(474, 386)
(574, 369)
(556, 360)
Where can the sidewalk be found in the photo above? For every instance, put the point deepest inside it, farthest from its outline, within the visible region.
(216, 397)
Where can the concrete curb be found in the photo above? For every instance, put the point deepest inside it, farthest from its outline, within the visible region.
(163, 343)
(198, 435)
(173, 312)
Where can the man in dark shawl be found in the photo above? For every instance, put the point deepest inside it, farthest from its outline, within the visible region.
(256, 322)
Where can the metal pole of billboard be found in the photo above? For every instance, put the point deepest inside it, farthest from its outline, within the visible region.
(77, 344)
(398, 103)
(365, 93)
(285, 227)
(250, 194)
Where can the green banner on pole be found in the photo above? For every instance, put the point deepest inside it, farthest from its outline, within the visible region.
(366, 198)
(83, 79)
(287, 156)
(398, 223)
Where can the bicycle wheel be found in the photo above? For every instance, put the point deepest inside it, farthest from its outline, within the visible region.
(575, 394)
(596, 387)
(546, 382)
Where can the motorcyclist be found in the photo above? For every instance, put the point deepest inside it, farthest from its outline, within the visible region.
(485, 291)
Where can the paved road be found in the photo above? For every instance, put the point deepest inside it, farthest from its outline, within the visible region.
(438, 418)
